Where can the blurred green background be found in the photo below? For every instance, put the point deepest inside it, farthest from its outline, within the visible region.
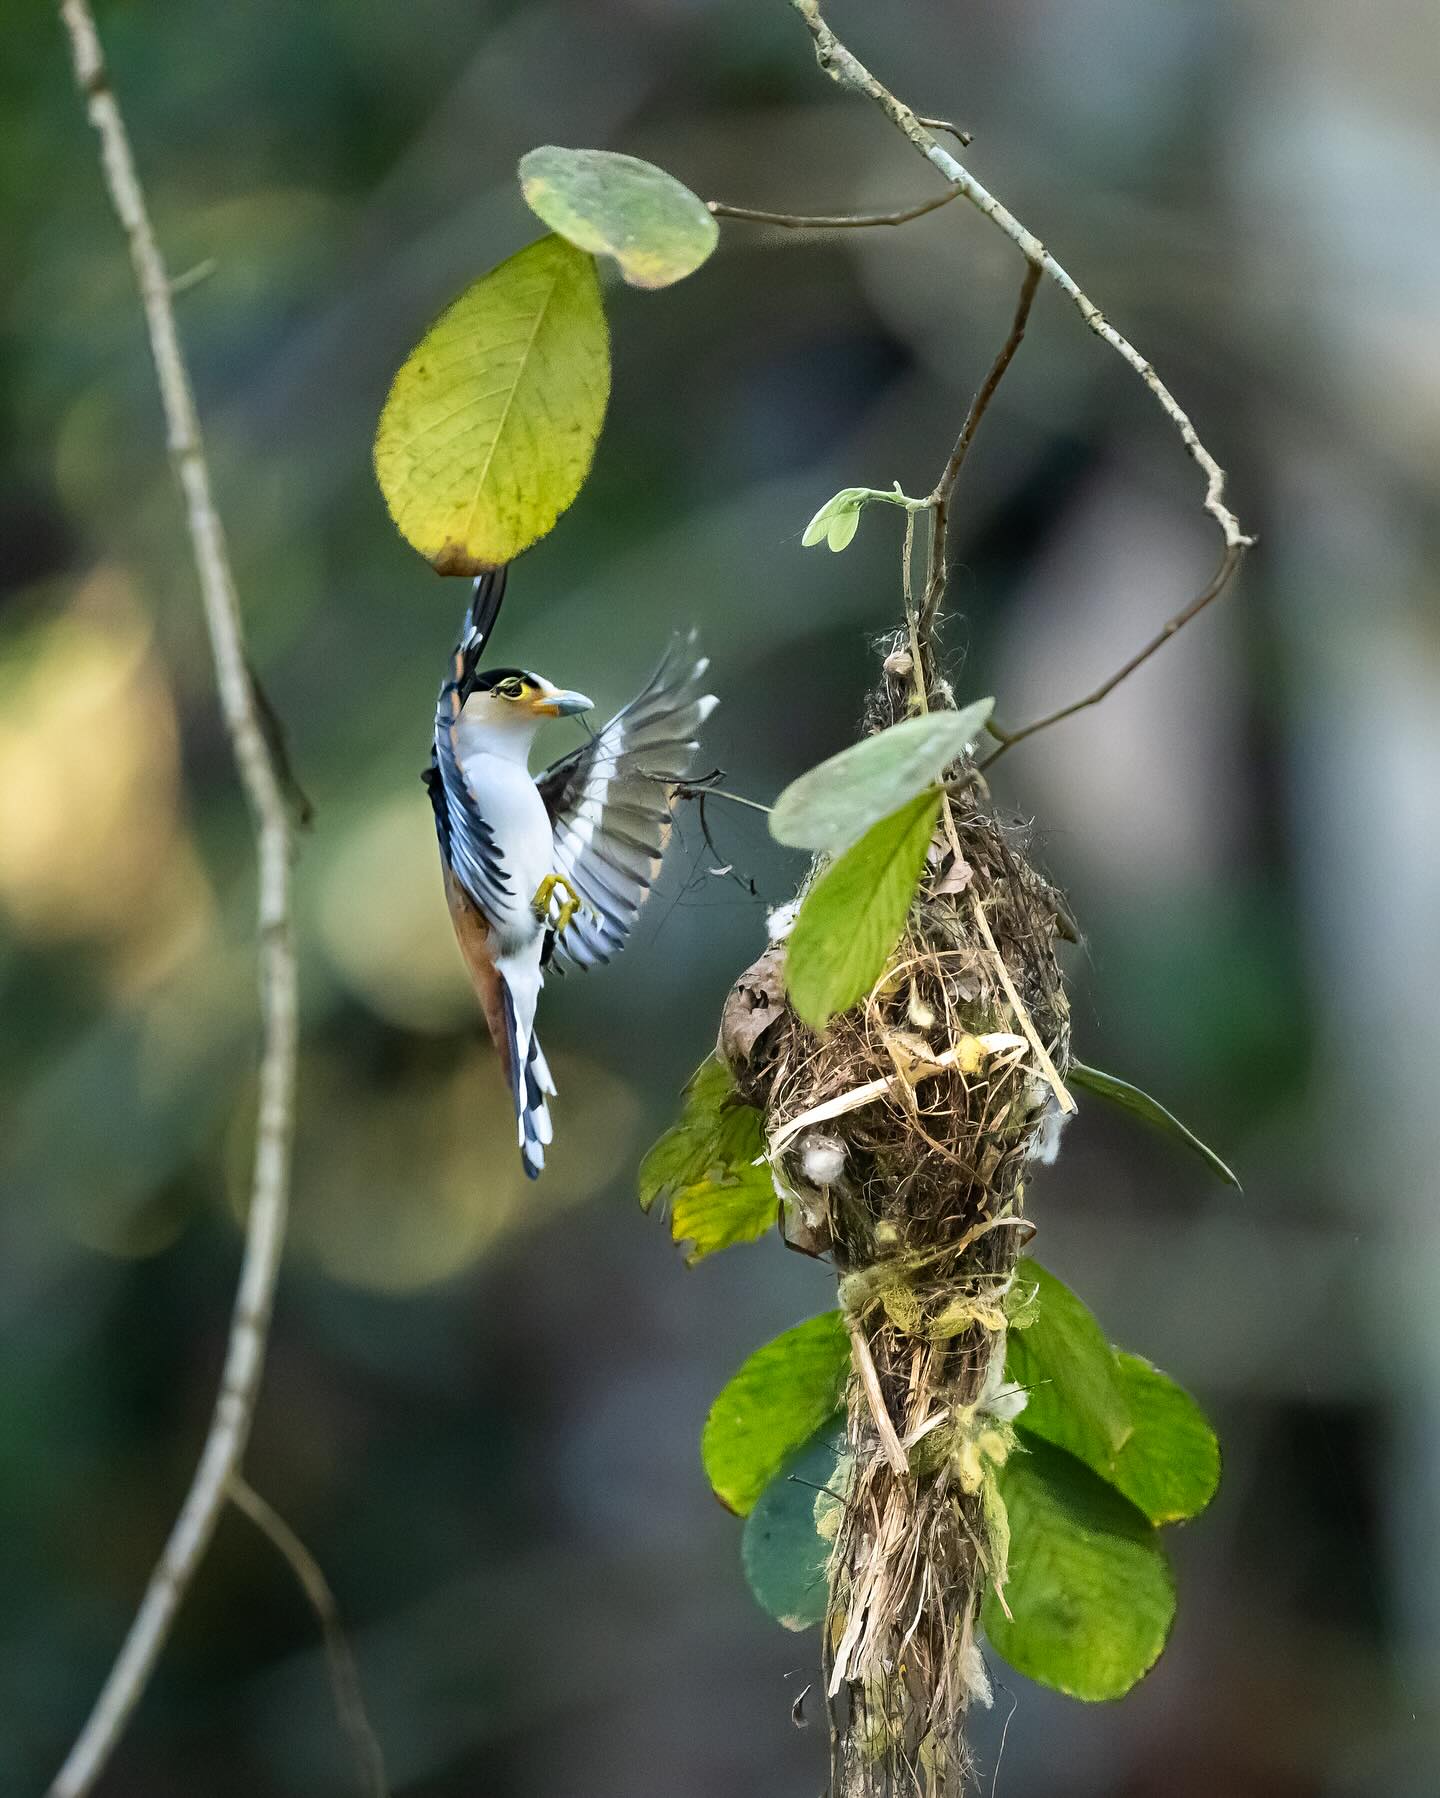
(484, 1399)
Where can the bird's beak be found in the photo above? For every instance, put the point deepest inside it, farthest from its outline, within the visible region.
(562, 704)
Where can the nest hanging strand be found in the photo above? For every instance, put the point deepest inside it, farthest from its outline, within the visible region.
(924, 1222)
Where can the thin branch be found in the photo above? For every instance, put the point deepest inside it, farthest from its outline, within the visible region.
(691, 789)
(344, 1674)
(1229, 562)
(937, 575)
(265, 1228)
(848, 71)
(850, 221)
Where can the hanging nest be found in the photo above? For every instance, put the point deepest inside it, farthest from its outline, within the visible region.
(900, 1141)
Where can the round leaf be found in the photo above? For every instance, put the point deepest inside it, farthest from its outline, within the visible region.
(786, 1545)
(852, 917)
(490, 425)
(1090, 1592)
(1170, 1466)
(777, 1400)
(1128, 1422)
(614, 205)
(836, 802)
(1076, 1396)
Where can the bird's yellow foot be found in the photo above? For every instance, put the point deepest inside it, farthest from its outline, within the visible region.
(564, 909)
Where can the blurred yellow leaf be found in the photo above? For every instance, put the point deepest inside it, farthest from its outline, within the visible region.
(93, 842)
(381, 913)
(490, 425)
(405, 1183)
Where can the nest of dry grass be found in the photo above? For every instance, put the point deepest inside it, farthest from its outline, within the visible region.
(900, 1142)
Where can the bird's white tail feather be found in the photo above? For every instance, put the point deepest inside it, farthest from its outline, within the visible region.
(530, 1078)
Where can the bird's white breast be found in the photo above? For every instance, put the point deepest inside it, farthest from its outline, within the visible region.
(510, 803)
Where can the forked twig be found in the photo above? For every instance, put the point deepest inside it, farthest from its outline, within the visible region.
(265, 1226)
(845, 68)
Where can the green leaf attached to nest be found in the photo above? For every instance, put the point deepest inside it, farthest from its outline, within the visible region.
(1125, 1420)
(705, 1167)
(788, 1536)
(1170, 1467)
(852, 917)
(1076, 1396)
(1139, 1104)
(490, 426)
(614, 205)
(837, 802)
(1090, 1592)
(776, 1402)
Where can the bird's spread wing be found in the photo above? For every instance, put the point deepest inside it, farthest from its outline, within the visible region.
(609, 802)
(467, 844)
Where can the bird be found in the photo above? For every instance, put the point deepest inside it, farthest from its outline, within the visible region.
(555, 865)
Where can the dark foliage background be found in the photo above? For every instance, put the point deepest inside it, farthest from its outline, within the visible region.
(484, 1399)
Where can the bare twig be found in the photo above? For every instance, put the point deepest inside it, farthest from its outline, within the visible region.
(937, 574)
(265, 1228)
(848, 71)
(344, 1674)
(1217, 585)
(850, 221)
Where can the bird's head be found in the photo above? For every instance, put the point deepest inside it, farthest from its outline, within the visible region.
(513, 699)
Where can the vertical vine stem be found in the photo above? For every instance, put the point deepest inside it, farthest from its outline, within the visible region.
(229, 1429)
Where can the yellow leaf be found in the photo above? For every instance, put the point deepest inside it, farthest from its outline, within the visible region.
(490, 425)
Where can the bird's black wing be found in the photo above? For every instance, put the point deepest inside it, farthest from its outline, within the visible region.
(609, 802)
(466, 841)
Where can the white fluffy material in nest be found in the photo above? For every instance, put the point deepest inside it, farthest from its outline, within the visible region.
(1002, 1398)
(822, 1159)
(780, 920)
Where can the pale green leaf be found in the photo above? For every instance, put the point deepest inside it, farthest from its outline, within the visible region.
(1076, 1397)
(1170, 1467)
(722, 1210)
(615, 205)
(843, 507)
(1090, 1592)
(835, 803)
(490, 426)
(705, 1166)
(852, 917)
(776, 1402)
(1139, 1104)
(788, 1536)
(838, 519)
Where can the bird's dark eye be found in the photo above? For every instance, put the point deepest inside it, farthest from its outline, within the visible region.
(510, 689)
